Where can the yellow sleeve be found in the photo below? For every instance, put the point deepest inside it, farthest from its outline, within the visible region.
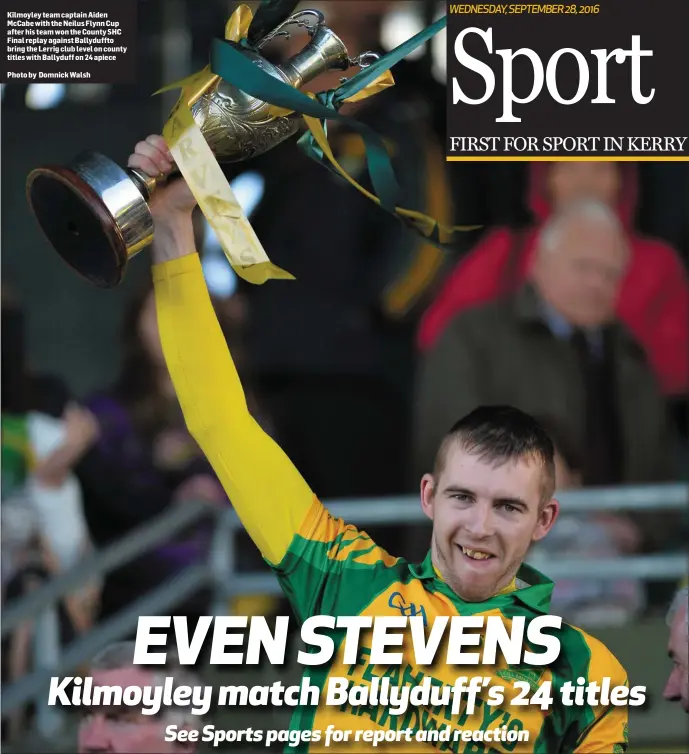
(269, 495)
(608, 733)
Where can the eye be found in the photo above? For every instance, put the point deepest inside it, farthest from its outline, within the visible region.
(510, 508)
(122, 716)
(461, 497)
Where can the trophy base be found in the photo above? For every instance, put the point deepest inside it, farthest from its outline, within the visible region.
(93, 214)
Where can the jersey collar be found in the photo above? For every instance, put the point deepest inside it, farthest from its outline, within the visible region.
(530, 587)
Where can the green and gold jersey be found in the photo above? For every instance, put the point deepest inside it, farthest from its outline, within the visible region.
(334, 569)
(17, 457)
(328, 568)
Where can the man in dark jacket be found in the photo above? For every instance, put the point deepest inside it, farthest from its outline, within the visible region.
(556, 351)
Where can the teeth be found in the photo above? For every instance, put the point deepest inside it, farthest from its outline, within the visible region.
(476, 554)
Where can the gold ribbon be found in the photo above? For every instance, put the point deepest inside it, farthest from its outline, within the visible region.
(200, 169)
(425, 224)
(197, 163)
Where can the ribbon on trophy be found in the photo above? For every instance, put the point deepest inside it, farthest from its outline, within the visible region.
(199, 167)
(197, 163)
(317, 109)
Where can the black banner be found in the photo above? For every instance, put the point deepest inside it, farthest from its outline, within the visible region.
(571, 80)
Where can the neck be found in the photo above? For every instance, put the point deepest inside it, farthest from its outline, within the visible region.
(357, 39)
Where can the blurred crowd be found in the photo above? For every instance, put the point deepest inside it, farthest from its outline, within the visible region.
(570, 302)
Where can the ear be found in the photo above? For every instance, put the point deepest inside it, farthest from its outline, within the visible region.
(546, 518)
(427, 492)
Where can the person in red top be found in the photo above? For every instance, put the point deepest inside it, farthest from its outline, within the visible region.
(654, 298)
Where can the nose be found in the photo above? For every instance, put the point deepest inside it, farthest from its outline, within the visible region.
(598, 281)
(93, 735)
(672, 689)
(479, 523)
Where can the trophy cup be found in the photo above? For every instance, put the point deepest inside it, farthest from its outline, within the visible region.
(95, 214)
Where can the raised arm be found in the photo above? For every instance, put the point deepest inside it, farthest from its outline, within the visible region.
(268, 493)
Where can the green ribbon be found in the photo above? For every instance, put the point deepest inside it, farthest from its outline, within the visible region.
(231, 65)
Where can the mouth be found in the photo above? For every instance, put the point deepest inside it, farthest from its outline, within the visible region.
(476, 555)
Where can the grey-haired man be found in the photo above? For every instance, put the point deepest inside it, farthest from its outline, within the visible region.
(677, 686)
(124, 729)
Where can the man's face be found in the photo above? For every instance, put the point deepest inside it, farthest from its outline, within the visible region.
(572, 181)
(124, 730)
(485, 517)
(677, 686)
(581, 276)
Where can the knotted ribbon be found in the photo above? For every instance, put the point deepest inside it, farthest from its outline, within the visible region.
(206, 180)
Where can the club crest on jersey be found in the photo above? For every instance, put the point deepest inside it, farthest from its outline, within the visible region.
(526, 676)
(397, 602)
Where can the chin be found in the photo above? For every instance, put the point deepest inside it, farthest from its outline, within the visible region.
(471, 589)
(593, 317)
(471, 581)
(474, 594)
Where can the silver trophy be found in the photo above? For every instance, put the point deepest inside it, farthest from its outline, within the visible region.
(95, 214)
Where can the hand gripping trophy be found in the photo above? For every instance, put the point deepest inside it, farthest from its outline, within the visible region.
(95, 213)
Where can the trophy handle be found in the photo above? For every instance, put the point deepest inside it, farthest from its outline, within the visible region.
(296, 19)
(143, 182)
(364, 60)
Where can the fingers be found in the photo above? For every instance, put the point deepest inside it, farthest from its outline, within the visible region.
(159, 143)
(152, 157)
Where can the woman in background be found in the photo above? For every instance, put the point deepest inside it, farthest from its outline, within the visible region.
(143, 462)
(43, 528)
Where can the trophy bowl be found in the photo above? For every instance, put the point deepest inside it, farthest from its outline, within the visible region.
(95, 214)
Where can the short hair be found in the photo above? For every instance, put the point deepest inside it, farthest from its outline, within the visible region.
(499, 434)
(582, 209)
(680, 599)
(121, 655)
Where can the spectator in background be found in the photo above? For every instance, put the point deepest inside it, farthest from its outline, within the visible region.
(677, 687)
(653, 298)
(43, 433)
(592, 535)
(123, 729)
(43, 528)
(142, 462)
(555, 349)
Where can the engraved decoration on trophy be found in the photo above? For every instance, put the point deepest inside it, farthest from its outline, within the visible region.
(95, 213)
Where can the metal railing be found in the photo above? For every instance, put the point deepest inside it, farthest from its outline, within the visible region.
(220, 573)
